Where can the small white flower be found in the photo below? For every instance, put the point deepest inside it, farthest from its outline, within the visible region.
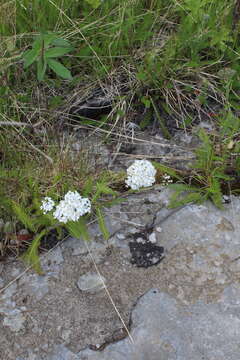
(140, 174)
(72, 207)
(47, 204)
(166, 179)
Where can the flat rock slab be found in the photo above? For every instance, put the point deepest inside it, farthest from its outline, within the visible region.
(186, 307)
(164, 330)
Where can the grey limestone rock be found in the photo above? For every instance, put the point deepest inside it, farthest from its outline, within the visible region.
(91, 282)
(192, 311)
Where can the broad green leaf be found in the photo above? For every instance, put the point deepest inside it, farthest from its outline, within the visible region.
(62, 43)
(41, 69)
(56, 52)
(94, 3)
(38, 43)
(48, 38)
(30, 56)
(59, 69)
(102, 224)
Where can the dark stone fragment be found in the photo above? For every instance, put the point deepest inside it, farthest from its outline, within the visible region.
(145, 254)
(97, 104)
(51, 239)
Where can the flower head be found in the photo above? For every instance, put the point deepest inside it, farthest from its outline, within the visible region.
(47, 204)
(72, 207)
(140, 174)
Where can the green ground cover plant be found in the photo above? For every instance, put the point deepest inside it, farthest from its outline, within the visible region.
(175, 59)
(45, 48)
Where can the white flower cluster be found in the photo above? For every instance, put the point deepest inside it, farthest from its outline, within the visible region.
(166, 179)
(140, 174)
(71, 208)
(47, 204)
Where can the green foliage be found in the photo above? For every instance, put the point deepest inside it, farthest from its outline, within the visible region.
(102, 224)
(167, 170)
(94, 3)
(163, 127)
(23, 217)
(102, 189)
(229, 124)
(40, 224)
(205, 154)
(210, 171)
(31, 256)
(185, 194)
(44, 15)
(78, 229)
(176, 49)
(43, 52)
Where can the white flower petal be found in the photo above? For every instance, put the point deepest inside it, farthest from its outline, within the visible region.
(47, 204)
(140, 174)
(72, 207)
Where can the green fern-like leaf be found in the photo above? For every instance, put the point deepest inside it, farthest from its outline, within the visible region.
(204, 153)
(183, 187)
(88, 187)
(167, 170)
(102, 224)
(31, 256)
(114, 202)
(78, 229)
(184, 194)
(193, 197)
(103, 189)
(215, 193)
(23, 217)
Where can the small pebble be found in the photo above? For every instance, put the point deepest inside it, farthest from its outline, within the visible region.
(226, 199)
(152, 238)
(159, 229)
(23, 232)
(91, 282)
(120, 236)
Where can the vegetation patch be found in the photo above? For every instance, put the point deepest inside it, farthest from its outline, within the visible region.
(109, 66)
